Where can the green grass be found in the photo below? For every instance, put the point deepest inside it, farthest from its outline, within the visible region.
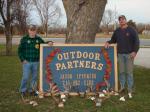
(144, 36)
(10, 100)
(3, 50)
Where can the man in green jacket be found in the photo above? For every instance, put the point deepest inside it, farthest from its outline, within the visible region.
(28, 52)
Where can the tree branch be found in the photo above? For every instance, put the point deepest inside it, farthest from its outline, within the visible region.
(1, 10)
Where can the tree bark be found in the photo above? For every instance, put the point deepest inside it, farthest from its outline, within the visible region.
(8, 35)
(83, 19)
(7, 18)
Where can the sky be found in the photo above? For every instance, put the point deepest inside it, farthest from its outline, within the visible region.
(136, 10)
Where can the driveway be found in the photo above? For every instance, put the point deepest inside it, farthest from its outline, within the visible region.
(143, 57)
(143, 42)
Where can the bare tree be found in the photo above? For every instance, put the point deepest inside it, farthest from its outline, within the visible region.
(47, 10)
(83, 19)
(108, 18)
(7, 17)
(22, 12)
(132, 24)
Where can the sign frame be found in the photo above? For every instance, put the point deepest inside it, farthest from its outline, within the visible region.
(74, 45)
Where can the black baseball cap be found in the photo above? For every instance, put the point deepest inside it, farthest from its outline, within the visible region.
(121, 16)
(32, 27)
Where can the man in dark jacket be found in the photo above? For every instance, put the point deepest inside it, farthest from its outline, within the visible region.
(127, 47)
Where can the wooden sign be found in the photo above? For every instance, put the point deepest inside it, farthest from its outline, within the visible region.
(78, 67)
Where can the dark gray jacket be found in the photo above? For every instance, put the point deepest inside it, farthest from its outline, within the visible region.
(127, 40)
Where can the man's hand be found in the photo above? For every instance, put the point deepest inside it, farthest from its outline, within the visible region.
(50, 43)
(25, 62)
(107, 45)
(133, 54)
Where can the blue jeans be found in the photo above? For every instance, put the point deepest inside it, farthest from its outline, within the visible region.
(126, 71)
(30, 68)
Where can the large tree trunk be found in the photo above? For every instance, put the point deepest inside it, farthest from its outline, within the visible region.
(7, 17)
(83, 19)
(8, 40)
